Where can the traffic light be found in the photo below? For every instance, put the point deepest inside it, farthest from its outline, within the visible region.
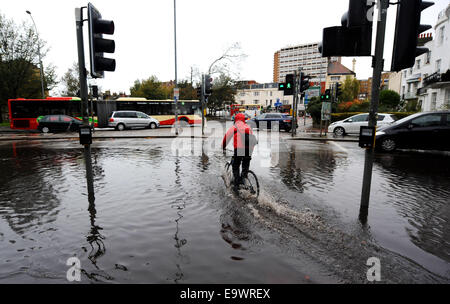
(290, 83)
(407, 32)
(95, 91)
(208, 85)
(304, 82)
(338, 91)
(326, 97)
(199, 93)
(354, 37)
(98, 45)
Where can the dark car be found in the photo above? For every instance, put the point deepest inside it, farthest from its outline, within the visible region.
(58, 123)
(422, 131)
(273, 121)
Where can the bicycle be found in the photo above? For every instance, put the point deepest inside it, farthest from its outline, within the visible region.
(250, 183)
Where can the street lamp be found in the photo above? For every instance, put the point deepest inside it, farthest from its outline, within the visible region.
(39, 54)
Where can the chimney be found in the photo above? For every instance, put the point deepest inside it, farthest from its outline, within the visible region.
(354, 65)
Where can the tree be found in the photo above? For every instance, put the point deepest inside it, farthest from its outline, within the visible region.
(223, 93)
(228, 62)
(71, 81)
(314, 108)
(389, 100)
(19, 63)
(150, 88)
(187, 91)
(350, 89)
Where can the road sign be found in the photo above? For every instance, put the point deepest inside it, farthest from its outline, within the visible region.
(326, 111)
(176, 93)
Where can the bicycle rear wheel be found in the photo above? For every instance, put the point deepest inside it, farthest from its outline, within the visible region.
(251, 183)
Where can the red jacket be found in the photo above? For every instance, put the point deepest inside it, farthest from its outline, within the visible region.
(237, 132)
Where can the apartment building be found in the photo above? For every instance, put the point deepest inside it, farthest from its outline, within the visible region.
(305, 56)
(428, 81)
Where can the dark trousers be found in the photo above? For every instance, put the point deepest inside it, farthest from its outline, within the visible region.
(237, 161)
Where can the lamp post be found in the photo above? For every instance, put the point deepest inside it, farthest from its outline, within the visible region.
(176, 74)
(39, 54)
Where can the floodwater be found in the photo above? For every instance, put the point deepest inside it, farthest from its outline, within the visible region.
(159, 217)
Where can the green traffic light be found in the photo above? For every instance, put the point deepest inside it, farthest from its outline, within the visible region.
(288, 85)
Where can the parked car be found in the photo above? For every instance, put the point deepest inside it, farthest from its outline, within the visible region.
(273, 121)
(58, 123)
(422, 131)
(121, 120)
(353, 124)
(247, 117)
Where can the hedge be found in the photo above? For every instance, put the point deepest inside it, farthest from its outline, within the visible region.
(342, 116)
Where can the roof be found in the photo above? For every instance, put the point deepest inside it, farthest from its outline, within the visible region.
(336, 68)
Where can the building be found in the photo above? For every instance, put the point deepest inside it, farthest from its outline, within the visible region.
(306, 57)
(427, 83)
(265, 94)
(337, 72)
(389, 81)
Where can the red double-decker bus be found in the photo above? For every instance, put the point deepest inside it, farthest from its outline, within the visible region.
(25, 113)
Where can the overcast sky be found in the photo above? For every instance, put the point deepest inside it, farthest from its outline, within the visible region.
(205, 28)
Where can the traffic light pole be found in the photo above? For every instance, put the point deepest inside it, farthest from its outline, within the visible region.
(377, 70)
(203, 104)
(294, 105)
(84, 99)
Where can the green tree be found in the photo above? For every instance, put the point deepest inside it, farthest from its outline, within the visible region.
(350, 89)
(150, 88)
(223, 93)
(389, 100)
(187, 91)
(314, 108)
(71, 81)
(19, 63)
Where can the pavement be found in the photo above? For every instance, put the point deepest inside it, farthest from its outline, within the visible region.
(305, 132)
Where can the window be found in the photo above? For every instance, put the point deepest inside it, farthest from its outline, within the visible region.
(431, 120)
(418, 64)
(447, 123)
(380, 117)
(433, 101)
(273, 116)
(66, 118)
(255, 93)
(142, 115)
(428, 57)
(360, 118)
(447, 98)
(130, 115)
(441, 35)
(438, 65)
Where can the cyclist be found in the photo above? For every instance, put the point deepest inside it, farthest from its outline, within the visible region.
(243, 142)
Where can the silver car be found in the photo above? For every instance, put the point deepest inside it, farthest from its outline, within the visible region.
(352, 125)
(121, 120)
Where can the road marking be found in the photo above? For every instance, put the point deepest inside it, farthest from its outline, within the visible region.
(340, 147)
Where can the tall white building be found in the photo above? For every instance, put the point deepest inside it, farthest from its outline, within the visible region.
(428, 81)
(305, 56)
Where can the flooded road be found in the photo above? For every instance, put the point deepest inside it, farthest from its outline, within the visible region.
(163, 217)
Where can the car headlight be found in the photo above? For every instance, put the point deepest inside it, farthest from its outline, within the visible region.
(380, 133)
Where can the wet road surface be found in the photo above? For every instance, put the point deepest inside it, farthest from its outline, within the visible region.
(165, 216)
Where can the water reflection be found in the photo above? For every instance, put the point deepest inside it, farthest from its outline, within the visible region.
(419, 186)
(299, 169)
(98, 248)
(179, 242)
(28, 190)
